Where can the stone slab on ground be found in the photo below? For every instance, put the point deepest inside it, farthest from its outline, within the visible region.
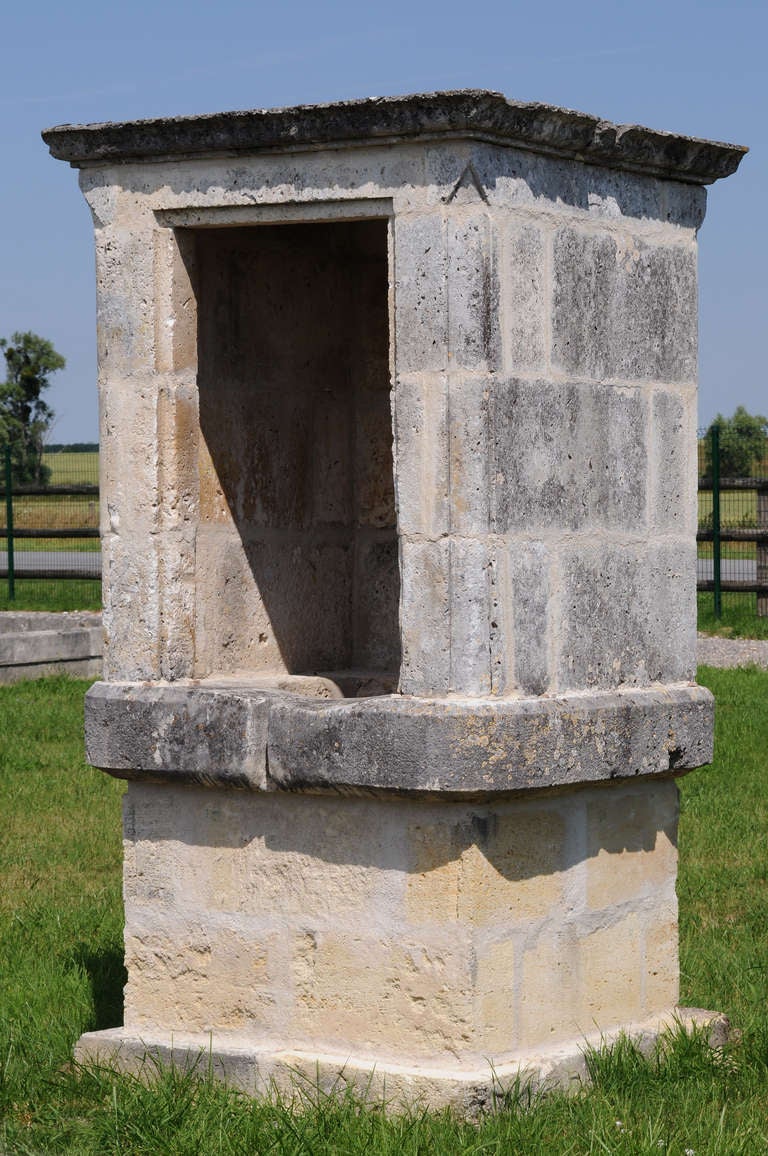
(34, 644)
(470, 1091)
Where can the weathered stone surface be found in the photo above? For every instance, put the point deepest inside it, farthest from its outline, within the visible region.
(568, 456)
(627, 615)
(179, 732)
(474, 337)
(34, 645)
(623, 308)
(469, 1090)
(462, 113)
(392, 743)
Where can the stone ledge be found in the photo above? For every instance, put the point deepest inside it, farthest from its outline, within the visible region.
(35, 644)
(244, 1063)
(473, 113)
(232, 735)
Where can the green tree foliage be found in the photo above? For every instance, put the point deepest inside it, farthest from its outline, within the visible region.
(743, 444)
(24, 416)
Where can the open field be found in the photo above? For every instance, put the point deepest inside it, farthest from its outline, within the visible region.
(61, 972)
(68, 469)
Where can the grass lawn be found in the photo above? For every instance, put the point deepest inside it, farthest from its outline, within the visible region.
(69, 594)
(739, 616)
(61, 972)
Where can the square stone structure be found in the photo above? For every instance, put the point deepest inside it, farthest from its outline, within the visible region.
(398, 430)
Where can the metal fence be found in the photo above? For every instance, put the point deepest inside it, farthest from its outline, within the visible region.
(733, 532)
(49, 533)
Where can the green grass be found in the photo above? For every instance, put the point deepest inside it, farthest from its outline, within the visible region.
(69, 594)
(60, 973)
(68, 469)
(738, 619)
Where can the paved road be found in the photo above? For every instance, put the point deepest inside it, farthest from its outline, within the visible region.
(86, 563)
(731, 570)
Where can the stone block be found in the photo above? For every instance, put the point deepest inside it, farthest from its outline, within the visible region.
(393, 997)
(376, 627)
(674, 500)
(470, 671)
(549, 987)
(513, 870)
(421, 292)
(662, 970)
(425, 617)
(568, 456)
(201, 976)
(420, 413)
(526, 569)
(626, 615)
(318, 740)
(128, 465)
(176, 728)
(612, 974)
(474, 339)
(131, 607)
(497, 1009)
(523, 295)
(434, 864)
(469, 466)
(125, 321)
(623, 308)
(632, 845)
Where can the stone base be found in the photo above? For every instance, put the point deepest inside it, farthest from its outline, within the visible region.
(469, 1090)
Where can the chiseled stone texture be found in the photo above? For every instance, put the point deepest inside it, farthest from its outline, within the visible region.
(408, 931)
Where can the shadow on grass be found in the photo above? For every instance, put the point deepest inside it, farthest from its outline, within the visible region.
(107, 976)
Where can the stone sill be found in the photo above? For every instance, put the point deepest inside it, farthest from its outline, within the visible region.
(249, 1064)
(231, 733)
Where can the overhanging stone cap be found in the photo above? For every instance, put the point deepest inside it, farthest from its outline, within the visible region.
(473, 113)
(228, 734)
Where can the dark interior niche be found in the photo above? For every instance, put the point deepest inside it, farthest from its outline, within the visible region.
(297, 512)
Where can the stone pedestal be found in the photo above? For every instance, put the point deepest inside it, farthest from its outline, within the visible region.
(398, 431)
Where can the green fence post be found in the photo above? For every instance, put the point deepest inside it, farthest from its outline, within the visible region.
(9, 523)
(716, 520)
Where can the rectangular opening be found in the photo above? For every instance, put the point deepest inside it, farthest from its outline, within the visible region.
(297, 561)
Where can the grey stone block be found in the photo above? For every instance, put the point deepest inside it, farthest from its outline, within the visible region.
(470, 489)
(474, 339)
(420, 411)
(215, 734)
(623, 309)
(470, 614)
(520, 626)
(626, 615)
(376, 642)
(523, 296)
(178, 732)
(425, 617)
(568, 456)
(674, 505)
(421, 293)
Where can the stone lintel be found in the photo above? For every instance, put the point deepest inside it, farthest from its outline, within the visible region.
(473, 114)
(245, 1064)
(232, 736)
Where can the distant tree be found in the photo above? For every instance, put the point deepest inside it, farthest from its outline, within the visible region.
(24, 416)
(743, 443)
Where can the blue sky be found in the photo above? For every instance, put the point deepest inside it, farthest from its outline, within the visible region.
(692, 68)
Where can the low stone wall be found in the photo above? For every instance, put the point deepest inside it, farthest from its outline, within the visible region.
(33, 645)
